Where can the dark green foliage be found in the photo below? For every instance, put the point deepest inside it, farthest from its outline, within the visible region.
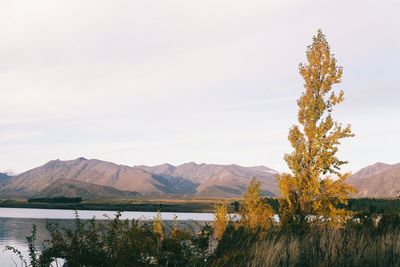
(372, 205)
(273, 203)
(364, 205)
(56, 200)
(236, 206)
(115, 205)
(118, 242)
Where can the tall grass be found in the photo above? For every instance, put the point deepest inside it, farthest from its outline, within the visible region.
(328, 248)
(359, 243)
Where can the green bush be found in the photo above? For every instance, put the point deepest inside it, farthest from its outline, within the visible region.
(118, 242)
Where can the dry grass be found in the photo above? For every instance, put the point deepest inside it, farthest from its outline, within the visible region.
(355, 245)
(328, 248)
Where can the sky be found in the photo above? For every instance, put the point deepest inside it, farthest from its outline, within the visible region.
(149, 82)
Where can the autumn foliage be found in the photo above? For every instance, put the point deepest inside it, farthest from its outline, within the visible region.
(313, 197)
(221, 220)
(255, 213)
(316, 187)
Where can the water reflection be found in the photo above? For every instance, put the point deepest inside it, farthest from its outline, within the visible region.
(13, 232)
(16, 225)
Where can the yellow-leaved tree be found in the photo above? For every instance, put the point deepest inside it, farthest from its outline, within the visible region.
(221, 220)
(315, 189)
(255, 213)
(158, 228)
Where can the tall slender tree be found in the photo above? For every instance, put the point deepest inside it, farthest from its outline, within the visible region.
(315, 188)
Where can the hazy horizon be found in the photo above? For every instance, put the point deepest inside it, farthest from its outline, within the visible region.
(150, 82)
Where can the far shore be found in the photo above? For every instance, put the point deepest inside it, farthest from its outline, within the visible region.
(196, 205)
(163, 205)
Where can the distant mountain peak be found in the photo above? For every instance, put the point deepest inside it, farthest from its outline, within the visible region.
(379, 180)
(380, 164)
(166, 165)
(370, 170)
(191, 163)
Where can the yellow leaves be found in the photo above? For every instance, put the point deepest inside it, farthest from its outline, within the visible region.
(220, 220)
(255, 213)
(308, 193)
(158, 227)
(334, 193)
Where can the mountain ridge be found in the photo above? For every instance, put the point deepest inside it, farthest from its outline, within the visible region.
(379, 180)
(93, 178)
(189, 179)
(221, 180)
(72, 188)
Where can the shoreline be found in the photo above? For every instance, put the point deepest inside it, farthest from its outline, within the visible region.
(124, 205)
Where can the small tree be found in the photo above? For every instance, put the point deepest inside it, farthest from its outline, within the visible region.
(220, 220)
(255, 212)
(158, 230)
(316, 186)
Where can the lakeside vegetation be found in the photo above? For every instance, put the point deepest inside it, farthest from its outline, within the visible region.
(254, 239)
(317, 226)
(55, 200)
(164, 205)
(364, 205)
(356, 244)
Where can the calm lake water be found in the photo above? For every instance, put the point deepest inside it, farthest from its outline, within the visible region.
(16, 225)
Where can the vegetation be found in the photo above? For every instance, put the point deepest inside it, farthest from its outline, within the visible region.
(119, 242)
(56, 200)
(366, 240)
(255, 212)
(316, 186)
(356, 244)
(374, 206)
(371, 206)
(316, 227)
(221, 220)
(164, 205)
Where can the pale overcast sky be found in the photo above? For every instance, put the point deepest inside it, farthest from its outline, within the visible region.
(148, 82)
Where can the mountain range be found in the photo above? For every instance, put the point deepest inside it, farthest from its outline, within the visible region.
(100, 179)
(95, 178)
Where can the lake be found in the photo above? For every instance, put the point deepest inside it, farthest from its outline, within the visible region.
(16, 225)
